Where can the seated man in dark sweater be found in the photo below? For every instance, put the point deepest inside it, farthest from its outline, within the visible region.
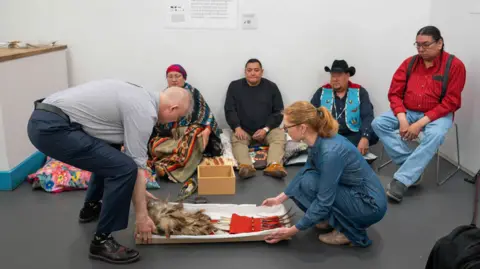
(253, 109)
(349, 104)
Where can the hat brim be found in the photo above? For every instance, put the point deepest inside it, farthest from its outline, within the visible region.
(351, 70)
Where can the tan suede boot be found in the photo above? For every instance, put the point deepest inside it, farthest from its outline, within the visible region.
(246, 171)
(275, 170)
(334, 238)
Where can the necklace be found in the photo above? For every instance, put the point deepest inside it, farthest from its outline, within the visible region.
(335, 109)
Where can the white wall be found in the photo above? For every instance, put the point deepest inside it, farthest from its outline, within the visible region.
(23, 81)
(3, 150)
(460, 30)
(295, 40)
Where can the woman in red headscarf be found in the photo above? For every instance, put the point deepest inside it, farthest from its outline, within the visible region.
(176, 149)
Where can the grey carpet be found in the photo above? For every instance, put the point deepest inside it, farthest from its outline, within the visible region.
(40, 230)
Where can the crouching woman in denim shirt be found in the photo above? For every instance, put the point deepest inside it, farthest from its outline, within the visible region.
(336, 188)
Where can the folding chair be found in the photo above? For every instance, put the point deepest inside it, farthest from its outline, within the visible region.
(421, 135)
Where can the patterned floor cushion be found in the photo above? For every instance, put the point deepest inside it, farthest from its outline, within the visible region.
(259, 155)
(295, 152)
(56, 176)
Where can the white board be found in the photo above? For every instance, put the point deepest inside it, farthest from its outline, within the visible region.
(217, 211)
(202, 14)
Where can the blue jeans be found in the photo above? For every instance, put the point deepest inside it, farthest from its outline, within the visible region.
(412, 161)
(355, 209)
(114, 172)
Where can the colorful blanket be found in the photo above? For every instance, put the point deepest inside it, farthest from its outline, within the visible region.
(201, 115)
(174, 148)
(177, 157)
(56, 176)
(259, 156)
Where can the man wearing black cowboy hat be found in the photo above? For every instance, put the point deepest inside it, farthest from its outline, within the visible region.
(350, 105)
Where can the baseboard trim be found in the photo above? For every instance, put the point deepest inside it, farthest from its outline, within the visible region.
(10, 180)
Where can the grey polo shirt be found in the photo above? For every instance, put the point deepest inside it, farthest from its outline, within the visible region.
(114, 111)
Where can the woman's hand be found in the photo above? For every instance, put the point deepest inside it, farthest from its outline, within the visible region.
(271, 201)
(281, 234)
(205, 134)
(275, 200)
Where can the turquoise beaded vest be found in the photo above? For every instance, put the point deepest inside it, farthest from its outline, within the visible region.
(352, 106)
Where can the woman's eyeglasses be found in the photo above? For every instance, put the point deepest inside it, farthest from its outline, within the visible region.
(285, 128)
(174, 76)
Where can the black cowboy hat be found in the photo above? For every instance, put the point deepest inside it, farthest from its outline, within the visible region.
(340, 66)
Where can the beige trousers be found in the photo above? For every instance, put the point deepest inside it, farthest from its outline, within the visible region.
(275, 140)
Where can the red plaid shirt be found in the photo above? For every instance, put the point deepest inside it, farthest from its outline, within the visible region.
(423, 92)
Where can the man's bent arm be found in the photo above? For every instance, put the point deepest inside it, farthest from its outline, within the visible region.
(138, 123)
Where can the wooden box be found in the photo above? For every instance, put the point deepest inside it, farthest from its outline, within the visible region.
(216, 180)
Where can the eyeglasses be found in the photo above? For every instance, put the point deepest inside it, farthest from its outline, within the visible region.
(174, 76)
(285, 128)
(425, 45)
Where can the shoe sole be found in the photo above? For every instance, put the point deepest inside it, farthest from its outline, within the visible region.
(393, 197)
(88, 220)
(246, 177)
(279, 176)
(349, 244)
(98, 257)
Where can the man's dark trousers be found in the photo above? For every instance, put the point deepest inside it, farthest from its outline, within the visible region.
(113, 173)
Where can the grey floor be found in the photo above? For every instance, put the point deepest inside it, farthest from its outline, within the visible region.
(40, 230)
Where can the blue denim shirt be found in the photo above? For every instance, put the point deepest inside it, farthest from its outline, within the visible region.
(334, 162)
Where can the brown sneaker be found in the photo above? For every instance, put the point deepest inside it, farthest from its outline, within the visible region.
(246, 171)
(322, 225)
(334, 238)
(275, 170)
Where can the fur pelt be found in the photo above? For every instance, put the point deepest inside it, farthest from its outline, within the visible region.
(173, 219)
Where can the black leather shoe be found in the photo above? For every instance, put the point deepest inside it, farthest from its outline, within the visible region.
(90, 212)
(111, 251)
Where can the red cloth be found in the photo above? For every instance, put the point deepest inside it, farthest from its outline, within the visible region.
(242, 224)
(423, 93)
(177, 68)
(350, 85)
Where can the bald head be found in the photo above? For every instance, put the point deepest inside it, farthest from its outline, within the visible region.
(179, 96)
(175, 102)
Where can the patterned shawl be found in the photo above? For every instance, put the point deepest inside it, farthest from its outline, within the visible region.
(201, 115)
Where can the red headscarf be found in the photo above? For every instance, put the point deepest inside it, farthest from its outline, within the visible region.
(177, 68)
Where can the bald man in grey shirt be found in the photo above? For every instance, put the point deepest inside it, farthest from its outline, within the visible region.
(85, 126)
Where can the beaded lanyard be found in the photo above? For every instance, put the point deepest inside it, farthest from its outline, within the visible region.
(335, 109)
